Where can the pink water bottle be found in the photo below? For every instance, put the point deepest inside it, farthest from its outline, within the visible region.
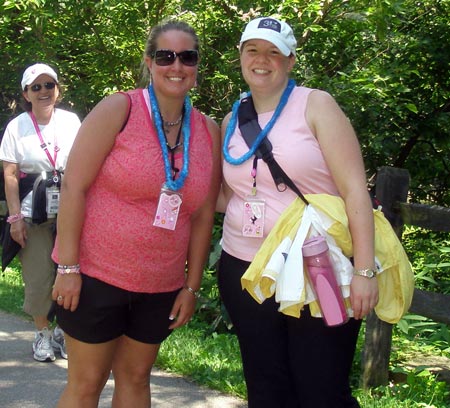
(323, 281)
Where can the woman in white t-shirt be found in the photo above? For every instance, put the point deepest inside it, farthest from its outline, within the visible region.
(35, 147)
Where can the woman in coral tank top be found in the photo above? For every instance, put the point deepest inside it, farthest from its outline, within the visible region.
(142, 180)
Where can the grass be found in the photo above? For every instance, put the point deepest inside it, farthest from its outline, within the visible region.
(209, 355)
(213, 360)
(417, 388)
(11, 289)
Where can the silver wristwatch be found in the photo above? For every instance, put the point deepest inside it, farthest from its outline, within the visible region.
(368, 273)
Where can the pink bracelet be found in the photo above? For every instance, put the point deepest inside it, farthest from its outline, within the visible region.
(64, 269)
(14, 218)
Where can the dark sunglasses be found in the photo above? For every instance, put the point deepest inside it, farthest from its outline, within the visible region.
(46, 85)
(168, 57)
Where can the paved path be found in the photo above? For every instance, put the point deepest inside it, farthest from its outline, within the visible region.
(25, 383)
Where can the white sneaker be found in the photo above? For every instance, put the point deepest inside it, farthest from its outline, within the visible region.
(59, 342)
(42, 348)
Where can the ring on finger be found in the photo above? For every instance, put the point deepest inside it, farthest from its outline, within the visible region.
(59, 298)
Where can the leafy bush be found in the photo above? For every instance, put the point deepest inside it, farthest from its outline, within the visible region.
(11, 289)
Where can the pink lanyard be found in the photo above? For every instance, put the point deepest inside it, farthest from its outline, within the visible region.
(44, 145)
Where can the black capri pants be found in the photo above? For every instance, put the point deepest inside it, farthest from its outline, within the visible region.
(288, 362)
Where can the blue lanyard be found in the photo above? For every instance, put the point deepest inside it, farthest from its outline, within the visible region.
(171, 184)
(264, 132)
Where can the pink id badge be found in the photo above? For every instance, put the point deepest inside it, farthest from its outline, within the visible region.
(168, 209)
(253, 217)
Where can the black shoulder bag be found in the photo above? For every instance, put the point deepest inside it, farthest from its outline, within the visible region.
(250, 129)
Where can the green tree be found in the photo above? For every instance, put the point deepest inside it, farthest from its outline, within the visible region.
(385, 61)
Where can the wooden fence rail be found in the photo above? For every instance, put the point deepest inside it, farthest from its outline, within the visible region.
(392, 187)
(432, 217)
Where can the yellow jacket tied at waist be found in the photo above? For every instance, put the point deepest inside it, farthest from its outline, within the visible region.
(277, 268)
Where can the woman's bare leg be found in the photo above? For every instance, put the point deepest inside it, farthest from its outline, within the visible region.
(131, 369)
(89, 366)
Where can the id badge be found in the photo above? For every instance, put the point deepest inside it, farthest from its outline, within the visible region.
(52, 194)
(168, 209)
(253, 217)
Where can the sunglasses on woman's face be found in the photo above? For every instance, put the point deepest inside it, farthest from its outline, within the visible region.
(168, 57)
(46, 85)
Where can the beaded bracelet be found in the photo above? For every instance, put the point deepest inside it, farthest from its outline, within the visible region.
(64, 269)
(196, 293)
(14, 218)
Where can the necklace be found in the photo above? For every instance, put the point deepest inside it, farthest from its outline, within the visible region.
(168, 125)
(264, 132)
(171, 184)
(178, 141)
(171, 150)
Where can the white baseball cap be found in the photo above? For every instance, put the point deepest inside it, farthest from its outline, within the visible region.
(273, 30)
(32, 72)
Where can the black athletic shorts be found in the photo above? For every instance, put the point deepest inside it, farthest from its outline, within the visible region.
(106, 312)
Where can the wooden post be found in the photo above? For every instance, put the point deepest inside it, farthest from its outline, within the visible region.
(392, 186)
(376, 353)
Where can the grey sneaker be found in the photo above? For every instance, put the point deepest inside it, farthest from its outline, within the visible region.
(59, 342)
(42, 348)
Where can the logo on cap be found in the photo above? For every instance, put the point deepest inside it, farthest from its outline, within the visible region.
(270, 24)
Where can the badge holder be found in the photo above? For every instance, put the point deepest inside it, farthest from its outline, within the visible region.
(253, 217)
(168, 209)
(53, 194)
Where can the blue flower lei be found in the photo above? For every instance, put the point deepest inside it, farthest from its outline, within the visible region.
(173, 185)
(264, 132)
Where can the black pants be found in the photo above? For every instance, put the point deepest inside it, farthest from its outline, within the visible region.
(288, 362)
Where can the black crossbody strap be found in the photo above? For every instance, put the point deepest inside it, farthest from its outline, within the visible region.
(250, 129)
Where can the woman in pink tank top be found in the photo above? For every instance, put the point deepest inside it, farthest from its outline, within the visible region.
(141, 180)
(290, 362)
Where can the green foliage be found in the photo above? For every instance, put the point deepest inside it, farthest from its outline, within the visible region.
(212, 360)
(11, 289)
(416, 327)
(429, 253)
(417, 387)
(386, 62)
(418, 391)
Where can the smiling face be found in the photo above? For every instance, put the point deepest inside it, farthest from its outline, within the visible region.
(264, 67)
(44, 97)
(176, 79)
